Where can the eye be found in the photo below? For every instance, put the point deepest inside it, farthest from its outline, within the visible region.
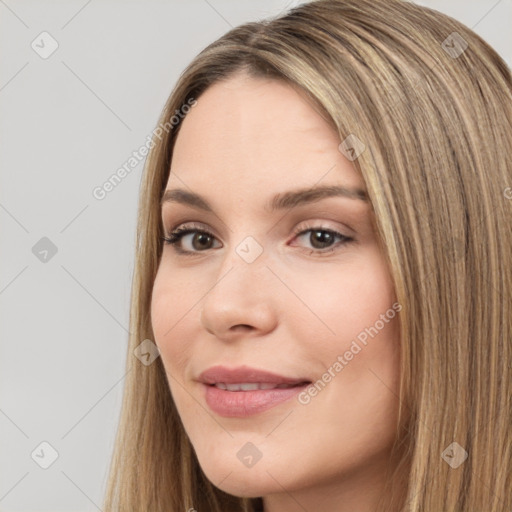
(199, 239)
(321, 238)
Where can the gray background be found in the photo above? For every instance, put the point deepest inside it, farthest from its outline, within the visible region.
(68, 122)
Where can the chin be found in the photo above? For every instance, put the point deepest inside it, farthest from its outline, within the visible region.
(245, 483)
(229, 474)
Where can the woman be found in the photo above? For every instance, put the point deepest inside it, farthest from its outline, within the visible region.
(324, 266)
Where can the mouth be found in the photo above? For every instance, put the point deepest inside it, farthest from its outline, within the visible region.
(244, 375)
(245, 391)
(254, 386)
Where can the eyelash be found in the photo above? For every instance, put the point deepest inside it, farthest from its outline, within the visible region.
(175, 237)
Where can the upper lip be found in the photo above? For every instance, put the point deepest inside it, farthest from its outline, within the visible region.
(245, 374)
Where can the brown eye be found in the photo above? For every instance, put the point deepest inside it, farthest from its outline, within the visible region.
(200, 241)
(203, 241)
(322, 239)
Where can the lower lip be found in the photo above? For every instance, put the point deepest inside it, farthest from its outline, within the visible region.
(239, 404)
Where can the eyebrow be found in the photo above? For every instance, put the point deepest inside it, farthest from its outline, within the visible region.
(284, 200)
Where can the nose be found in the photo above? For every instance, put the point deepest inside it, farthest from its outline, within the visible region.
(241, 300)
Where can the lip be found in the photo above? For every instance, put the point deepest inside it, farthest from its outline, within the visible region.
(217, 374)
(246, 403)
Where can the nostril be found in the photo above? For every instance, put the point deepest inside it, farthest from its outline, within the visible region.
(242, 327)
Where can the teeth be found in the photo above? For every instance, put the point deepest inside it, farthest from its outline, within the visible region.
(251, 386)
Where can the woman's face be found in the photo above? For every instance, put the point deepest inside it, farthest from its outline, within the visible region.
(292, 285)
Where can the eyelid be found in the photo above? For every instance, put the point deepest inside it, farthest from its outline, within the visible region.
(183, 229)
(193, 225)
(303, 226)
(320, 225)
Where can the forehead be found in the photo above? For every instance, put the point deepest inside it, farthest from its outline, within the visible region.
(253, 132)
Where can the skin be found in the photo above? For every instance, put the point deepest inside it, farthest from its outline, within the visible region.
(292, 311)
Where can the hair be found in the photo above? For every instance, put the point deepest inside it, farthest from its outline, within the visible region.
(435, 118)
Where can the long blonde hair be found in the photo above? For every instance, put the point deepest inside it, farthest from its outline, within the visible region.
(432, 103)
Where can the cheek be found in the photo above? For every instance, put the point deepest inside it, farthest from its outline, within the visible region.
(171, 309)
(174, 295)
(355, 328)
(343, 302)
(171, 312)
